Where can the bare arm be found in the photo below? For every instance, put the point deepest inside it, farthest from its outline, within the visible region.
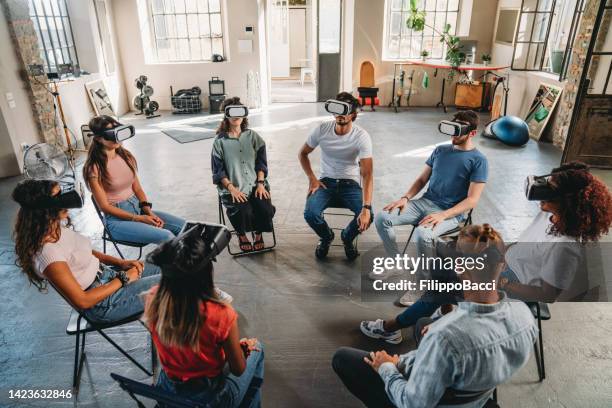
(313, 182)
(474, 193)
(233, 351)
(138, 191)
(102, 200)
(416, 187)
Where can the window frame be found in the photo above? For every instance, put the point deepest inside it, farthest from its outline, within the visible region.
(55, 49)
(420, 36)
(210, 37)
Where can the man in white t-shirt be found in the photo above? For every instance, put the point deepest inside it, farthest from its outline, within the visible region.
(346, 156)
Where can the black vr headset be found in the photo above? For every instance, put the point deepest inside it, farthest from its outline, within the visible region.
(70, 197)
(447, 127)
(215, 236)
(538, 188)
(117, 134)
(339, 108)
(236, 111)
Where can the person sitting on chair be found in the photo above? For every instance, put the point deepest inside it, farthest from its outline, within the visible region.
(547, 262)
(196, 334)
(106, 289)
(346, 156)
(240, 171)
(456, 172)
(462, 356)
(111, 174)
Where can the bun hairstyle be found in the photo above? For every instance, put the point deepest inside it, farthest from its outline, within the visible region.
(175, 310)
(585, 205)
(33, 226)
(483, 240)
(224, 126)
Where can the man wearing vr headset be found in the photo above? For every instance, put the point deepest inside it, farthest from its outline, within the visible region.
(111, 174)
(240, 171)
(456, 173)
(346, 157)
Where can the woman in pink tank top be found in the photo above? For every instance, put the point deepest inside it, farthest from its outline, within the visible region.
(111, 174)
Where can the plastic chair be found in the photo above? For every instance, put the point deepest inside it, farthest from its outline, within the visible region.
(107, 236)
(468, 221)
(233, 232)
(79, 325)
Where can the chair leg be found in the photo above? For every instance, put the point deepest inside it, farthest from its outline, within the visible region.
(103, 245)
(408, 242)
(79, 357)
(118, 250)
(139, 253)
(540, 355)
(125, 353)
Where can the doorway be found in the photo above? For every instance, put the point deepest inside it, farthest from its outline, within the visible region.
(292, 49)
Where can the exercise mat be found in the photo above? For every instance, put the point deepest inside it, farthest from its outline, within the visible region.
(188, 134)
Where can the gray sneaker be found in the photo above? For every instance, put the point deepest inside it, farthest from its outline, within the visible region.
(375, 330)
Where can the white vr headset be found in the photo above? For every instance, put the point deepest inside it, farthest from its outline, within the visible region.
(236, 111)
(447, 127)
(117, 134)
(338, 108)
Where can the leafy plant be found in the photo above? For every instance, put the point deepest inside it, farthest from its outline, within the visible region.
(416, 22)
(424, 53)
(486, 57)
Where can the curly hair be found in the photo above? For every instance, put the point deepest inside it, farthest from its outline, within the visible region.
(224, 126)
(33, 226)
(585, 205)
(96, 155)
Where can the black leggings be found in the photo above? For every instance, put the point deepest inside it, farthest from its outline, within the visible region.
(254, 215)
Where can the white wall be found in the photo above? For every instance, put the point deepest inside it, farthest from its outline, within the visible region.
(238, 14)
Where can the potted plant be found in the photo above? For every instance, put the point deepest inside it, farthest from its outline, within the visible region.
(486, 59)
(424, 55)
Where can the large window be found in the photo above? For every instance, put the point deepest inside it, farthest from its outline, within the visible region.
(545, 35)
(186, 30)
(52, 26)
(402, 43)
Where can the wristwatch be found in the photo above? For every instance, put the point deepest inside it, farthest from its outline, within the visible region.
(261, 182)
(367, 207)
(122, 276)
(145, 204)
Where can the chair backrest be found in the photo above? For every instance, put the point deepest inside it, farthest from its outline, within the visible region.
(167, 399)
(105, 233)
(366, 75)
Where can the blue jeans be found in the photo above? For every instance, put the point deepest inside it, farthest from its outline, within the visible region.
(132, 231)
(225, 391)
(414, 212)
(340, 193)
(126, 301)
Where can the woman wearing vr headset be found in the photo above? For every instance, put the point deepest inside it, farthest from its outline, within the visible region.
(111, 174)
(196, 334)
(240, 170)
(547, 262)
(104, 287)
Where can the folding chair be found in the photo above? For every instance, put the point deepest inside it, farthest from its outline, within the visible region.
(106, 235)
(78, 328)
(468, 221)
(241, 253)
(338, 211)
(167, 399)
(540, 312)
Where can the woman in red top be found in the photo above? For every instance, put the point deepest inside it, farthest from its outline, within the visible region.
(196, 334)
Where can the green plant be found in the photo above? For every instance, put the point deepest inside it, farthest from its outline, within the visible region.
(486, 57)
(416, 22)
(424, 53)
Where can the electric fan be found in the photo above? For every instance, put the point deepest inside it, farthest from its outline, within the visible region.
(44, 161)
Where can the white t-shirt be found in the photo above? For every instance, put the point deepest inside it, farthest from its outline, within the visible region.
(340, 155)
(75, 250)
(540, 256)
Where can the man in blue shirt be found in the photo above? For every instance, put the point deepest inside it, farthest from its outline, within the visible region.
(456, 173)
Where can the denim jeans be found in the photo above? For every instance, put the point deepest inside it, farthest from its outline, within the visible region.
(340, 193)
(132, 231)
(414, 212)
(225, 391)
(126, 301)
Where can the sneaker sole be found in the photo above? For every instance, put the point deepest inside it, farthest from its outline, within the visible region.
(379, 337)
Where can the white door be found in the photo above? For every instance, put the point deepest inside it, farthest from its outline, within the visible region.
(297, 37)
(278, 26)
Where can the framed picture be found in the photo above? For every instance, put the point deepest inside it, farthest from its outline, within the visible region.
(99, 98)
(541, 109)
(507, 21)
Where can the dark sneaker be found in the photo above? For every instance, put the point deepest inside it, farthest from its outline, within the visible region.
(375, 330)
(349, 249)
(323, 246)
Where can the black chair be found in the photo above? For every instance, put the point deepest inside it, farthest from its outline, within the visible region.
(338, 212)
(468, 221)
(167, 399)
(79, 325)
(233, 232)
(540, 312)
(107, 236)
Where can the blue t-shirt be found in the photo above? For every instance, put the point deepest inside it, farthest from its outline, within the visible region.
(452, 171)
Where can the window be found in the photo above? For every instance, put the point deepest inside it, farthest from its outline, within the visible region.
(186, 30)
(545, 35)
(105, 36)
(402, 43)
(52, 26)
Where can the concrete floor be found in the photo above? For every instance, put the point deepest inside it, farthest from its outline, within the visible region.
(301, 309)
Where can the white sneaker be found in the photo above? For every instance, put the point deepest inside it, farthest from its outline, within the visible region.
(406, 299)
(375, 330)
(224, 296)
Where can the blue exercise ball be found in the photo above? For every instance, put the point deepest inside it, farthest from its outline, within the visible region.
(510, 130)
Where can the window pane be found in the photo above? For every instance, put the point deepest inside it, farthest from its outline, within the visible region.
(204, 24)
(202, 6)
(520, 56)
(62, 4)
(217, 46)
(195, 50)
(546, 5)
(181, 26)
(172, 49)
(540, 27)
(159, 25)
(598, 73)
(206, 45)
(440, 21)
(68, 32)
(535, 56)
(191, 6)
(215, 25)
(169, 6)
(162, 50)
(396, 5)
(183, 49)
(396, 21)
(73, 56)
(393, 49)
(60, 32)
(179, 6)
(451, 19)
(192, 23)
(429, 22)
(171, 26)
(604, 44)
(430, 5)
(529, 5)
(214, 6)
(524, 28)
(453, 5)
(157, 6)
(404, 48)
(441, 5)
